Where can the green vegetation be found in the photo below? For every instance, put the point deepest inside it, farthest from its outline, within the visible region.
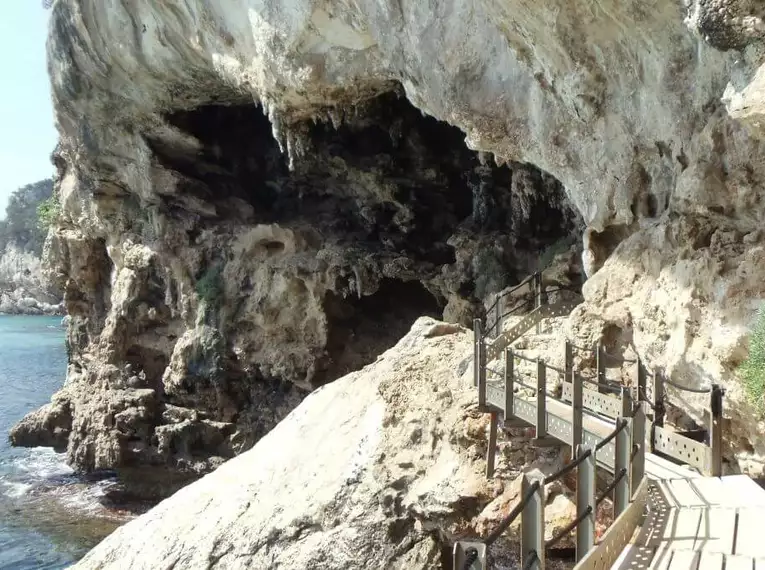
(22, 225)
(47, 212)
(752, 371)
(209, 287)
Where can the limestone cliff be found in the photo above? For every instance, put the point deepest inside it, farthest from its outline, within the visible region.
(23, 287)
(259, 196)
(380, 470)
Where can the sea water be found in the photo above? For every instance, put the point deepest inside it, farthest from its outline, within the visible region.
(49, 517)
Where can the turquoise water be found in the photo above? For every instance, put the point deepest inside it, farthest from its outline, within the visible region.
(49, 517)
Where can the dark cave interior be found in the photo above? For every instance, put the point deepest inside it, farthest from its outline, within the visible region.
(390, 181)
(361, 329)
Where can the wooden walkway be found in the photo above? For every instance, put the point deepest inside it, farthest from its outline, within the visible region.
(674, 515)
(701, 523)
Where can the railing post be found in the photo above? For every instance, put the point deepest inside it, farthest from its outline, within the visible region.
(638, 438)
(542, 291)
(623, 448)
(497, 313)
(476, 352)
(533, 522)
(642, 384)
(480, 364)
(541, 425)
(577, 405)
(627, 404)
(715, 430)
(585, 498)
(509, 395)
(658, 399)
(600, 365)
(491, 451)
(538, 296)
(569, 364)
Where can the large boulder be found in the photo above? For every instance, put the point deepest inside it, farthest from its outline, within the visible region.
(380, 469)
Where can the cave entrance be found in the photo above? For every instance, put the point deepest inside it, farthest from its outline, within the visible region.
(359, 330)
(386, 183)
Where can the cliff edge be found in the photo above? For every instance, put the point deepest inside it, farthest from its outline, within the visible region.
(259, 197)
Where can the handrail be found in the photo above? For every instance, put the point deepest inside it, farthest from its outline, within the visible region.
(603, 442)
(526, 358)
(582, 348)
(569, 527)
(508, 520)
(567, 468)
(625, 457)
(611, 486)
(572, 289)
(513, 290)
(618, 358)
(522, 304)
(535, 486)
(688, 388)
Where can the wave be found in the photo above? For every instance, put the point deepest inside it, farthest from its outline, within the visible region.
(42, 464)
(42, 475)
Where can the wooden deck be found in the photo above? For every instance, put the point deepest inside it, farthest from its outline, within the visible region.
(702, 523)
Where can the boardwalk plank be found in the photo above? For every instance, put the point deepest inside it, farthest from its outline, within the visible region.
(684, 529)
(741, 491)
(659, 468)
(716, 530)
(710, 490)
(668, 493)
(711, 561)
(750, 539)
(685, 560)
(685, 494)
(661, 559)
(736, 562)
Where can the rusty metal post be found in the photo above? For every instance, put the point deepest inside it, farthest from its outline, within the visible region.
(585, 499)
(497, 316)
(541, 424)
(569, 365)
(480, 364)
(538, 296)
(600, 364)
(476, 352)
(623, 449)
(533, 522)
(638, 439)
(658, 399)
(491, 451)
(509, 395)
(715, 430)
(577, 416)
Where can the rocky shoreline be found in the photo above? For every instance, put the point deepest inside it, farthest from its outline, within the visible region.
(24, 289)
(257, 202)
(20, 302)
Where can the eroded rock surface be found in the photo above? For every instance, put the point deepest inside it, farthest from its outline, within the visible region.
(380, 469)
(23, 287)
(252, 206)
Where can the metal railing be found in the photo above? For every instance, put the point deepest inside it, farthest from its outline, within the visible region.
(539, 296)
(625, 487)
(570, 420)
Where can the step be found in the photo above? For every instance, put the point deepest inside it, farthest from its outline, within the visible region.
(695, 560)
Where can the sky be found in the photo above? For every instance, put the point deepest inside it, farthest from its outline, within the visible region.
(27, 132)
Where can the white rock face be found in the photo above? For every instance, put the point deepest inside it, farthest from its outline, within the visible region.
(23, 289)
(376, 470)
(649, 115)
